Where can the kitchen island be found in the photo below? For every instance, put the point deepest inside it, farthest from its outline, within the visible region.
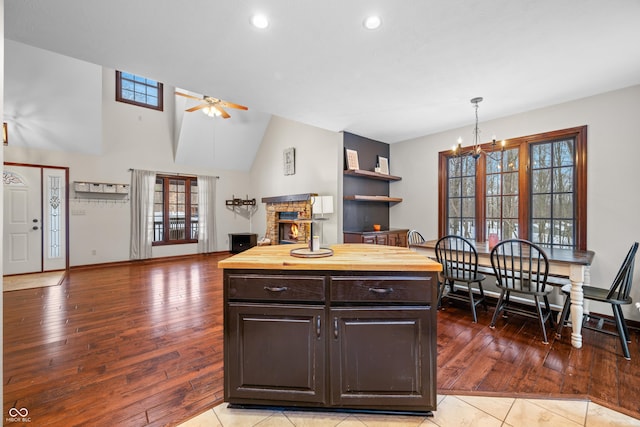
(352, 331)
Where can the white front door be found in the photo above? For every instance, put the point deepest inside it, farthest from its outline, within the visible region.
(22, 219)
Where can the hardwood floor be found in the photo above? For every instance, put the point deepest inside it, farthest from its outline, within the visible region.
(140, 344)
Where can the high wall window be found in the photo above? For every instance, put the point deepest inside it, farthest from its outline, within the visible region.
(138, 90)
(175, 208)
(535, 189)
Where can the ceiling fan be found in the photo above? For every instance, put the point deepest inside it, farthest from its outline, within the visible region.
(212, 106)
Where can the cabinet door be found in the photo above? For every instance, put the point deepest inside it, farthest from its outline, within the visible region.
(369, 239)
(398, 239)
(383, 358)
(382, 239)
(274, 353)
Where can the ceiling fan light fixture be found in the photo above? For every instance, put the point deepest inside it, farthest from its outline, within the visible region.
(211, 112)
(372, 22)
(260, 21)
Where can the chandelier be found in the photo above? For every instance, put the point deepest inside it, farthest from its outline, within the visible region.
(476, 150)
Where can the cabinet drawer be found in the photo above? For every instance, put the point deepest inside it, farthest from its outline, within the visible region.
(265, 287)
(382, 289)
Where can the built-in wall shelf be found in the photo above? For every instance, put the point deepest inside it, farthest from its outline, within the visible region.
(371, 175)
(363, 198)
(366, 192)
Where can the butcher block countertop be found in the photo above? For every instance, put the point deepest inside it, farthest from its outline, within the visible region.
(355, 256)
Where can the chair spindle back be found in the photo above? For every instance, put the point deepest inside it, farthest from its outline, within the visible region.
(621, 286)
(458, 256)
(521, 265)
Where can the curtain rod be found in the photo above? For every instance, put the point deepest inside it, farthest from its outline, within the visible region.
(178, 174)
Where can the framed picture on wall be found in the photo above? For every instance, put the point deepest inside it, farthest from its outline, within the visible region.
(289, 161)
(352, 159)
(383, 162)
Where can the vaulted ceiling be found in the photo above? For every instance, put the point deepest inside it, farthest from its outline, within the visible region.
(315, 63)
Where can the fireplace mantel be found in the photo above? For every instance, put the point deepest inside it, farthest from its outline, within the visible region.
(290, 198)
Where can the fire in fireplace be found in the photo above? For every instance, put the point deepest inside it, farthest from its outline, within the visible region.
(288, 228)
(289, 232)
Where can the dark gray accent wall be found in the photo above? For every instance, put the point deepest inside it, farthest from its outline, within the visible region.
(360, 216)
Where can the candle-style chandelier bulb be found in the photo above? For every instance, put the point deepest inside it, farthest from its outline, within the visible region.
(477, 150)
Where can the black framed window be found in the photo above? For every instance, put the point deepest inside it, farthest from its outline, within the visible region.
(138, 90)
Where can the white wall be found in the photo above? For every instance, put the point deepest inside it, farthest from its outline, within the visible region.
(318, 169)
(52, 100)
(131, 137)
(613, 150)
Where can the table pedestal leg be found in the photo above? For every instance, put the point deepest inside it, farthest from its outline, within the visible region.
(577, 277)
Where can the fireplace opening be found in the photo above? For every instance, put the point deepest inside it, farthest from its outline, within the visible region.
(289, 230)
(289, 233)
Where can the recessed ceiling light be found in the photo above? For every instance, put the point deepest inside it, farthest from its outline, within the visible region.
(372, 22)
(260, 21)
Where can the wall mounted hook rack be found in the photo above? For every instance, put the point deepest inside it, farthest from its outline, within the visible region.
(240, 202)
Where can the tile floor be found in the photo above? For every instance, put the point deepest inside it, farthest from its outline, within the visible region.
(454, 411)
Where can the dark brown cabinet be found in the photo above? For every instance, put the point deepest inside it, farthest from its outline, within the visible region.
(334, 339)
(379, 357)
(280, 350)
(395, 237)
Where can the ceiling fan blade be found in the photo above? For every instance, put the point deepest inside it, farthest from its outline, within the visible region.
(232, 105)
(188, 96)
(223, 113)
(197, 107)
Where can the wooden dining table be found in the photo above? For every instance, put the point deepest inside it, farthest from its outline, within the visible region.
(567, 263)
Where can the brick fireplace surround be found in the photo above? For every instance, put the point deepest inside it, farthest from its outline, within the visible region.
(300, 203)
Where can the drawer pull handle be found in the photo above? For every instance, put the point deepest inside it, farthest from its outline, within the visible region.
(381, 290)
(275, 288)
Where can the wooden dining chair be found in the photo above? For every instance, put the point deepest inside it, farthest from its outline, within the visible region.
(521, 267)
(414, 237)
(459, 259)
(617, 295)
